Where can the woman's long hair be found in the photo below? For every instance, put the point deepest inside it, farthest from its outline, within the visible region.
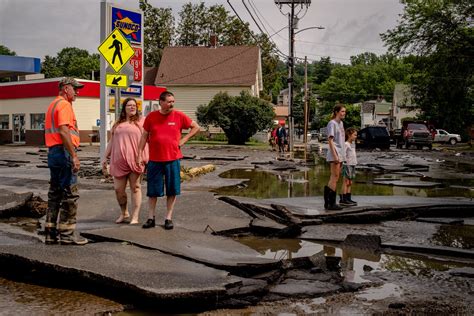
(123, 115)
(337, 109)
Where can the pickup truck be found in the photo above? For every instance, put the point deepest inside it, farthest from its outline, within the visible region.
(414, 133)
(442, 136)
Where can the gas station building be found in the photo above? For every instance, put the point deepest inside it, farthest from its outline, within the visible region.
(23, 103)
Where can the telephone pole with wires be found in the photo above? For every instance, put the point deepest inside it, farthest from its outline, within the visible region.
(292, 25)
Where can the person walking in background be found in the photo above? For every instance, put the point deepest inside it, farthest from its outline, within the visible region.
(122, 151)
(62, 140)
(335, 155)
(281, 136)
(274, 138)
(348, 168)
(162, 131)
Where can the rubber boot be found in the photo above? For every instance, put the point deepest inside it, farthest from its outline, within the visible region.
(333, 206)
(349, 198)
(343, 200)
(50, 231)
(50, 236)
(326, 197)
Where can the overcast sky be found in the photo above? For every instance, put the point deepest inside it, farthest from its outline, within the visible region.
(36, 28)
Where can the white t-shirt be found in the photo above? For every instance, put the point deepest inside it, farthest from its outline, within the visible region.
(336, 130)
(351, 157)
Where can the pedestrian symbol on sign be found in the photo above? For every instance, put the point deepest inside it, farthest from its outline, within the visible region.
(117, 45)
(116, 50)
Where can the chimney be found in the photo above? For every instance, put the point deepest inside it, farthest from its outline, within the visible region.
(213, 41)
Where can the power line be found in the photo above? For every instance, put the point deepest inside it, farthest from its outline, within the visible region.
(256, 23)
(278, 52)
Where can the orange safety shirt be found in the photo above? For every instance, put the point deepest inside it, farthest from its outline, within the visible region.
(60, 113)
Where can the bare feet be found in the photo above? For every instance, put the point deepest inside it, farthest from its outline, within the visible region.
(123, 218)
(134, 221)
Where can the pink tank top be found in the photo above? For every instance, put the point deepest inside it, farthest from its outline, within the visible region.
(124, 149)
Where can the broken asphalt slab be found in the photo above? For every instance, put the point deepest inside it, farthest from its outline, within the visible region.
(308, 207)
(215, 251)
(123, 270)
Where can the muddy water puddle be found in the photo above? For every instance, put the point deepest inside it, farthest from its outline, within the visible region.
(18, 298)
(354, 263)
(457, 236)
(264, 184)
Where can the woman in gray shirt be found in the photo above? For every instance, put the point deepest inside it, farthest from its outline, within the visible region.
(335, 155)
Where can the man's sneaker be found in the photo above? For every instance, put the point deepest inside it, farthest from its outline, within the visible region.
(168, 224)
(72, 240)
(149, 223)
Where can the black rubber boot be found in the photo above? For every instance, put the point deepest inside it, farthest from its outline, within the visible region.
(349, 198)
(343, 200)
(326, 197)
(51, 236)
(333, 206)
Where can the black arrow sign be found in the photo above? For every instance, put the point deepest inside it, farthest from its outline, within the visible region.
(116, 80)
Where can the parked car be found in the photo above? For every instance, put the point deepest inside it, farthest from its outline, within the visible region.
(373, 137)
(323, 134)
(415, 133)
(441, 136)
(314, 134)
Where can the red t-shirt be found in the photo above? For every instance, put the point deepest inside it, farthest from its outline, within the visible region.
(164, 133)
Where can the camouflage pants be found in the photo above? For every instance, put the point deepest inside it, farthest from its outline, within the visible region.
(62, 194)
(62, 209)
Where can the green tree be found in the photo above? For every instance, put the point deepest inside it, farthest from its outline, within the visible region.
(352, 118)
(441, 36)
(239, 117)
(320, 70)
(6, 51)
(71, 61)
(191, 30)
(368, 77)
(158, 32)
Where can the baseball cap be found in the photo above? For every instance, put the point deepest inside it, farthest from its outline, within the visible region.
(69, 80)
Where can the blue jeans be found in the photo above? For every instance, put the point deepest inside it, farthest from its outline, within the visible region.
(62, 194)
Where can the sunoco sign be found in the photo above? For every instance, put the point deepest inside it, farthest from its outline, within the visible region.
(129, 22)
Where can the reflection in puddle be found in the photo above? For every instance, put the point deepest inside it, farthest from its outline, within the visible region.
(379, 293)
(265, 185)
(457, 236)
(281, 248)
(354, 263)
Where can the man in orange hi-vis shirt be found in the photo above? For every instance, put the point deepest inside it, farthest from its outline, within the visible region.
(62, 140)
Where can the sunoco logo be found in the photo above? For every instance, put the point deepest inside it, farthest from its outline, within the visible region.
(126, 25)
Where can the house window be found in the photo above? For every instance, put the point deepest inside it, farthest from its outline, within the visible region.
(37, 121)
(4, 121)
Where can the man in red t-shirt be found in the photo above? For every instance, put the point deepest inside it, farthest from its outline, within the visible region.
(162, 131)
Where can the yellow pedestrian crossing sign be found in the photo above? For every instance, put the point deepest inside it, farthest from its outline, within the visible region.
(118, 80)
(116, 50)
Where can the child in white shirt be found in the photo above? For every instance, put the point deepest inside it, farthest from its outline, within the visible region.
(348, 168)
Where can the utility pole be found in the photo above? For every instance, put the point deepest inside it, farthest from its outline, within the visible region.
(292, 25)
(306, 112)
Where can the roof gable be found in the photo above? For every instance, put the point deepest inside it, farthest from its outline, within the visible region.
(198, 65)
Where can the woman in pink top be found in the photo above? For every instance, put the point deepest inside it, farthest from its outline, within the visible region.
(122, 150)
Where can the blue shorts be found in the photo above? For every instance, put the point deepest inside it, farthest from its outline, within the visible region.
(161, 175)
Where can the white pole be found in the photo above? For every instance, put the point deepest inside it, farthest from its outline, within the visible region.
(103, 88)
